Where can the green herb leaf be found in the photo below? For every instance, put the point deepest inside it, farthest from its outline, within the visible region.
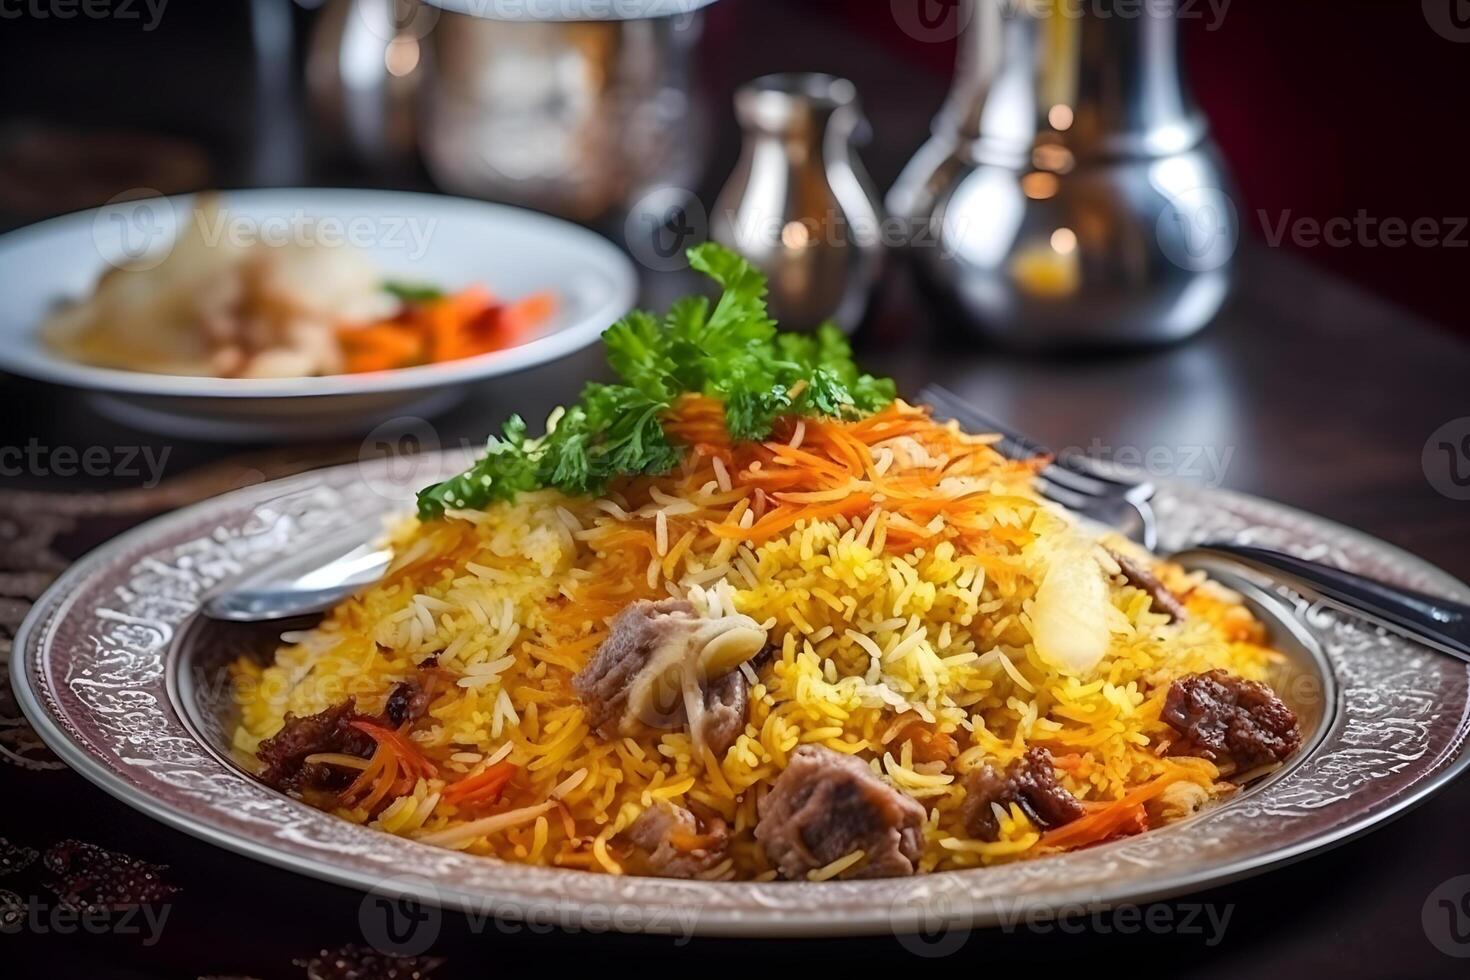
(731, 352)
(412, 292)
(506, 469)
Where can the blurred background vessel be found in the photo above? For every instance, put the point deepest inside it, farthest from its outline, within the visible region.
(577, 107)
(1070, 196)
(364, 71)
(800, 205)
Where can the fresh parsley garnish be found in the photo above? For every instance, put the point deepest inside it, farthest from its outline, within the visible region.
(408, 292)
(730, 350)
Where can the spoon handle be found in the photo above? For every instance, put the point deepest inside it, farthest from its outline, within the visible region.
(1436, 622)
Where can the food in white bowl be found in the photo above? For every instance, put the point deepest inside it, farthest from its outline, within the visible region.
(466, 249)
(217, 307)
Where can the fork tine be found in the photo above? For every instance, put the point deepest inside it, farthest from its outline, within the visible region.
(962, 411)
(1070, 499)
(1135, 519)
(1069, 481)
(1073, 472)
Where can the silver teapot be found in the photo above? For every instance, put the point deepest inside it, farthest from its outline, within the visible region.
(1070, 196)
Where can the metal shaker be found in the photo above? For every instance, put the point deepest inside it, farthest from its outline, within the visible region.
(1070, 196)
(799, 205)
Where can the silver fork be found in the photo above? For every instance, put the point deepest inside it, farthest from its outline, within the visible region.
(1075, 483)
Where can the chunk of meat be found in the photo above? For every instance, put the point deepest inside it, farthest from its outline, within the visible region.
(1030, 781)
(1230, 720)
(283, 756)
(605, 684)
(725, 701)
(407, 702)
(825, 805)
(661, 667)
(675, 843)
(1139, 576)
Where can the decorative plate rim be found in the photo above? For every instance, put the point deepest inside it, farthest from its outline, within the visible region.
(1388, 747)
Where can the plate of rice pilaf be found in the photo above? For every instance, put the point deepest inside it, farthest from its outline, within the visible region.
(743, 624)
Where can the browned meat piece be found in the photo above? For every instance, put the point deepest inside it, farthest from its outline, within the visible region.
(826, 805)
(677, 844)
(1140, 577)
(661, 664)
(984, 785)
(1231, 720)
(1030, 781)
(605, 683)
(725, 702)
(283, 755)
(406, 702)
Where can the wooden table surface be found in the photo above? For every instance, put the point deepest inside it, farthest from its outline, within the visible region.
(1307, 390)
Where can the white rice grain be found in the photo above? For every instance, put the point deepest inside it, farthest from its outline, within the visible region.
(722, 475)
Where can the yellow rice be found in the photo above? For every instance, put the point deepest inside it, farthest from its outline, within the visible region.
(514, 599)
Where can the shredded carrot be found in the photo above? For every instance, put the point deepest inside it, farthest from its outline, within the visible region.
(381, 347)
(393, 770)
(376, 772)
(463, 324)
(687, 842)
(1120, 818)
(832, 472)
(406, 751)
(521, 318)
(483, 787)
(782, 518)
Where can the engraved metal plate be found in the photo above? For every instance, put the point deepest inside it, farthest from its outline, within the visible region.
(99, 671)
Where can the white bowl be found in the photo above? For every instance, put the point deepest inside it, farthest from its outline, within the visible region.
(420, 238)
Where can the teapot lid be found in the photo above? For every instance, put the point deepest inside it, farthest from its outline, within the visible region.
(570, 10)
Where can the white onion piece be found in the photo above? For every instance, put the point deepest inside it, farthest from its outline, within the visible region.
(1069, 616)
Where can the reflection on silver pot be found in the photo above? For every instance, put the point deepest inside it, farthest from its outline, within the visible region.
(799, 204)
(1070, 196)
(363, 73)
(577, 113)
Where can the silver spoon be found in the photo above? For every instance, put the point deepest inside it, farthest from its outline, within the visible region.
(301, 585)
